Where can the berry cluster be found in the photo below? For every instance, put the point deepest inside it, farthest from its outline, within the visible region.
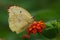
(36, 27)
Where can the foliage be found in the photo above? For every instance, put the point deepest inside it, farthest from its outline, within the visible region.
(46, 10)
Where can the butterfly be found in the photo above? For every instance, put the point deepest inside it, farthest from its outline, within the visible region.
(19, 19)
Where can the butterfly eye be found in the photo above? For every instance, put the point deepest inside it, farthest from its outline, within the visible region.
(20, 11)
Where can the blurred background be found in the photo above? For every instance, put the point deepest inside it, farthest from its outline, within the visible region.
(46, 10)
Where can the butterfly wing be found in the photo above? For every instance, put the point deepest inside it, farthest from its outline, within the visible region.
(19, 19)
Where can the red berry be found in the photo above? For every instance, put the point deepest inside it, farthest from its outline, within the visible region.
(26, 36)
(34, 22)
(30, 29)
(34, 27)
(34, 31)
(40, 22)
(40, 30)
(43, 25)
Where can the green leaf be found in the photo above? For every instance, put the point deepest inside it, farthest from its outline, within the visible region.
(50, 33)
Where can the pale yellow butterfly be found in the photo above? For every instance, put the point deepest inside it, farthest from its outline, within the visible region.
(19, 19)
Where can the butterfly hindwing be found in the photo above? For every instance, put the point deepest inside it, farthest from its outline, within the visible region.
(19, 19)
